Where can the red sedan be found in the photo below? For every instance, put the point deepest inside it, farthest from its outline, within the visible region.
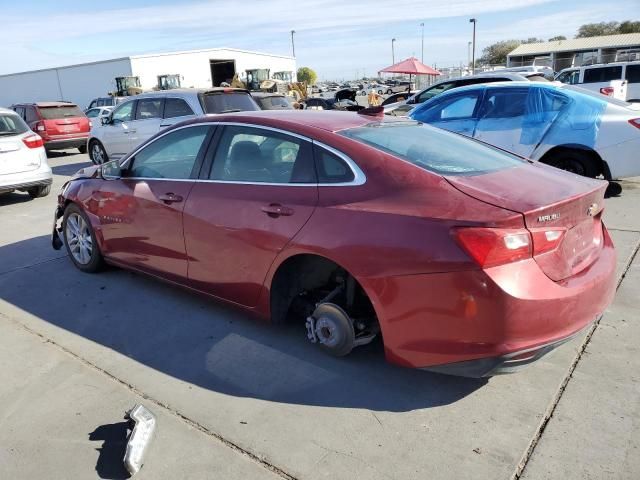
(464, 258)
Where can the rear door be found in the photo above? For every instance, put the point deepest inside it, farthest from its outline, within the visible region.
(141, 213)
(501, 117)
(258, 193)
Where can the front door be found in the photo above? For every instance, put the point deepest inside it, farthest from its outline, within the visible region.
(141, 213)
(259, 192)
(117, 136)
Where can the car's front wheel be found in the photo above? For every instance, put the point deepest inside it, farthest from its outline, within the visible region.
(80, 240)
(389, 92)
(82, 149)
(97, 153)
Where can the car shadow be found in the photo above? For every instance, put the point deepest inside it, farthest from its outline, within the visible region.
(14, 198)
(69, 169)
(200, 341)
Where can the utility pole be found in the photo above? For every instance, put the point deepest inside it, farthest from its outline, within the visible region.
(393, 52)
(468, 55)
(473, 48)
(293, 45)
(422, 50)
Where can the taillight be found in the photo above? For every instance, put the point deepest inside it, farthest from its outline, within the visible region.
(635, 122)
(33, 141)
(494, 246)
(546, 240)
(608, 91)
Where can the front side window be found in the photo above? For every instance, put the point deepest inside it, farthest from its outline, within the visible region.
(571, 77)
(149, 108)
(123, 113)
(433, 149)
(176, 107)
(255, 155)
(171, 156)
(456, 107)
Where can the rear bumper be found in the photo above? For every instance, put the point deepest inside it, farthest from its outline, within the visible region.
(26, 180)
(492, 317)
(62, 143)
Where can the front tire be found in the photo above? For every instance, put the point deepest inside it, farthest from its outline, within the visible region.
(97, 153)
(82, 149)
(38, 192)
(80, 240)
(389, 92)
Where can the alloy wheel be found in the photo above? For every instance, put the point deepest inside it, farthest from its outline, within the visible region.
(97, 155)
(79, 239)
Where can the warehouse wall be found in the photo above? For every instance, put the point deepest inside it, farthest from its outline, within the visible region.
(194, 66)
(79, 84)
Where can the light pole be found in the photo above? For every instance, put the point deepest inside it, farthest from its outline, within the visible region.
(473, 48)
(393, 52)
(468, 55)
(293, 45)
(422, 43)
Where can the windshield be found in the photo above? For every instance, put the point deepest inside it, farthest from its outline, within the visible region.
(11, 124)
(63, 111)
(225, 102)
(433, 149)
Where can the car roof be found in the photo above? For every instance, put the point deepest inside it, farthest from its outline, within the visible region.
(47, 104)
(185, 92)
(331, 121)
(7, 110)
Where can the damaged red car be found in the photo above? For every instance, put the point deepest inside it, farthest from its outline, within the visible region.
(465, 259)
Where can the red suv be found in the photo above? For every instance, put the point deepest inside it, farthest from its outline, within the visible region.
(60, 124)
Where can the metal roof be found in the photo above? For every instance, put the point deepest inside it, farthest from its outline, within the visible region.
(574, 44)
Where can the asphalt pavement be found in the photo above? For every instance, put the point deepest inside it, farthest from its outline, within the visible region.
(237, 399)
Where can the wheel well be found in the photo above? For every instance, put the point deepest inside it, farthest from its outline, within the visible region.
(601, 168)
(307, 278)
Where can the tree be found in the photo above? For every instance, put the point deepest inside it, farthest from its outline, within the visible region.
(306, 74)
(497, 52)
(597, 29)
(629, 27)
(557, 38)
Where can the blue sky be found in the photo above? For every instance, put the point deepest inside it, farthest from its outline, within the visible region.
(335, 37)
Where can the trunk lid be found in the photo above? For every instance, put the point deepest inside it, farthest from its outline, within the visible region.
(549, 199)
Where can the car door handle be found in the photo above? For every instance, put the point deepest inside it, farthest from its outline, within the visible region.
(166, 124)
(169, 198)
(275, 210)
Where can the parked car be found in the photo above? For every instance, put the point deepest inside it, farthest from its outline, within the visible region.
(560, 125)
(144, 115)
(544, 71)
(619, 80)
(95, 115)
(61, 125)
(272, 101)
(379, 89)
(467, 259)
(23, 159)
(106, 102)
(398, 97)
(344, 99)
(403, 108)
(399, 87)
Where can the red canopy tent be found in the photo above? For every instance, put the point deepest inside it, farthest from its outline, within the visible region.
(411, 66)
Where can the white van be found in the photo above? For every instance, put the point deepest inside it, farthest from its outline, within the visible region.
(619, 80)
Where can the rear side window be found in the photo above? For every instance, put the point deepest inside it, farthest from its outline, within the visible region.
(331, 168)
(62, 111)
(228, 102)
(149, 108)
(505, 103)
(176, 107)
(633, 74)
(11, 124)
(602, 74)
(436, 90)
(433, 149)
(30, 115)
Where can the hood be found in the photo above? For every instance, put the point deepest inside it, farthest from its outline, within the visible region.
(87, 172)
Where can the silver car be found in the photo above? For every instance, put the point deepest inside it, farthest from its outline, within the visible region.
(144, 115)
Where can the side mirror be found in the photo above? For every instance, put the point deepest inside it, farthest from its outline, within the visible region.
(111, 170)
(106, 120)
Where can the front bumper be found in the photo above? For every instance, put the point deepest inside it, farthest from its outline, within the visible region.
(493, 316)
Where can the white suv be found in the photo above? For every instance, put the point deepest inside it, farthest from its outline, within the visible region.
(142, 116)
(23, 160)
(619, 80)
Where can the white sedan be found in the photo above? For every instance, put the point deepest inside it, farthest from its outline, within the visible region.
(96, 114)
(560, 125)
(23, 160)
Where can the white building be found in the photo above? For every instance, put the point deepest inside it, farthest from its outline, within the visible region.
(81, 83)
